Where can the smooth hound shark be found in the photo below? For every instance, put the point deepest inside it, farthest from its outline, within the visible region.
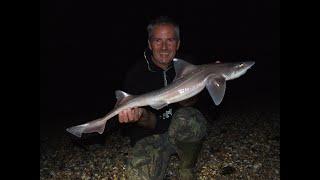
(189, 81)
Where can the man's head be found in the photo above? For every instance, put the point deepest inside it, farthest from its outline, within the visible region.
(163, 41)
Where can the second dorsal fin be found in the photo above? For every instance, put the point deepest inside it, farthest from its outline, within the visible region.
(122, 97)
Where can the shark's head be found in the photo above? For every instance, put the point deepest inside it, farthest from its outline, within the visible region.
(237, 69)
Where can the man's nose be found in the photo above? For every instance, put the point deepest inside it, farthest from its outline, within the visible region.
(164, 46)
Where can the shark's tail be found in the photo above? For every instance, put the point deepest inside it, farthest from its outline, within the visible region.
(99, 124)
(93, 126)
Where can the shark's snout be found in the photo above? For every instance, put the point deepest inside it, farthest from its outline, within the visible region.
(250, 63)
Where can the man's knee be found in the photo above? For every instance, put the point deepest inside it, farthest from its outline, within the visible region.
(187, 124)
(148, 158)
(137, 162)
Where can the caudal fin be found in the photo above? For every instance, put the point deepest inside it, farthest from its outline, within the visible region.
(99, 124)
(76, 130)
(90, 127)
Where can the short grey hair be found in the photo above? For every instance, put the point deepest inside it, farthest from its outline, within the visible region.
(162, 20)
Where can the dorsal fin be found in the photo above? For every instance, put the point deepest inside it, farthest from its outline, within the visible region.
(182, 67)
(122, 97)
(120, 94)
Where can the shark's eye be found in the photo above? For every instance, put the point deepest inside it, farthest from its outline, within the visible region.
(240, 65)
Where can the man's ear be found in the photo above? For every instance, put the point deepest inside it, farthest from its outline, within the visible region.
(178, 45)
(149, 45)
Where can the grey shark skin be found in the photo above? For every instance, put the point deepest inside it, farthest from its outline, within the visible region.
(189, 81)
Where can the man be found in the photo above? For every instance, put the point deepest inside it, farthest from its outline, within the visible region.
(156, 134)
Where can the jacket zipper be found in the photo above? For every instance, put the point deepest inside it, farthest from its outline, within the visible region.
(165, 79)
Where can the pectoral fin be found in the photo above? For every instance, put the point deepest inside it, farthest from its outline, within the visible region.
(216, 87)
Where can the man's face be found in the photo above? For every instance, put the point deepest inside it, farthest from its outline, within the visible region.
(163, 44)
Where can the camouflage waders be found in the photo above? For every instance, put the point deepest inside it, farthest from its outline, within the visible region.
(148, 159)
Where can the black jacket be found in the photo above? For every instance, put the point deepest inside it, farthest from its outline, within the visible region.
(144, 77)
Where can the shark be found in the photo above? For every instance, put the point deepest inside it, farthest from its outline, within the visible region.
(190, 80)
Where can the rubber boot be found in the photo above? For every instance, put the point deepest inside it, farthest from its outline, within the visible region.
(188, 153)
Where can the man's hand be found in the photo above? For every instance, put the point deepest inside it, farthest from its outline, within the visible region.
(130, 115)
(140, 115)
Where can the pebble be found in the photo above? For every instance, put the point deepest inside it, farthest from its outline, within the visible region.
(242, 150)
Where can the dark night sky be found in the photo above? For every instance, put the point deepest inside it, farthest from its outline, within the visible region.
(86, 47)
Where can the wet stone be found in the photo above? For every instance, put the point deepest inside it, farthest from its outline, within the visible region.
(227, 170)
